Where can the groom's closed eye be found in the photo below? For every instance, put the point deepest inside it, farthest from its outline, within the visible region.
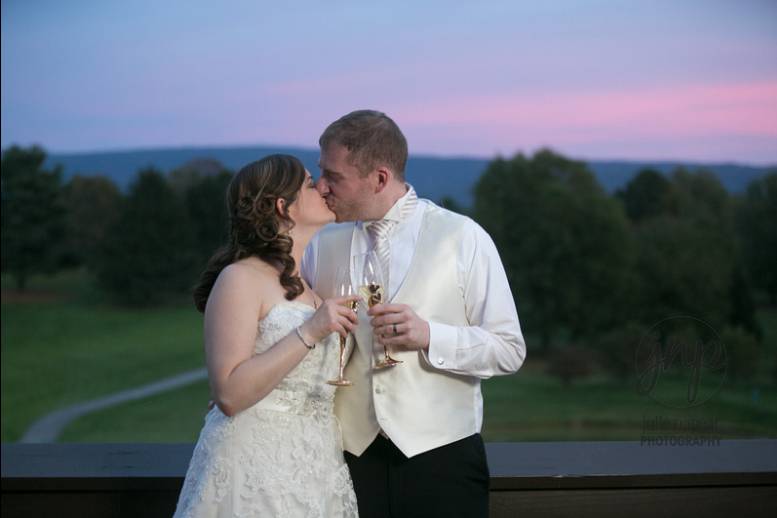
(330, 176)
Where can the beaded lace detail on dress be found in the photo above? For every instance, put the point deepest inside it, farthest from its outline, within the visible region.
(283, 456)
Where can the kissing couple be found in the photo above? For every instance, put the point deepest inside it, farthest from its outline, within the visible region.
(402, 441)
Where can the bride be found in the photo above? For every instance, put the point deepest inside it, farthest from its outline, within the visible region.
(271, 446)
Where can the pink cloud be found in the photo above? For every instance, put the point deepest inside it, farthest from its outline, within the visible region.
(681, 111)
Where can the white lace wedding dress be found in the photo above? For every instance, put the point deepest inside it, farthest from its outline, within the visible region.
(283, 456)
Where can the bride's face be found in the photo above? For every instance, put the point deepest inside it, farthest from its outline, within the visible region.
(309, 209)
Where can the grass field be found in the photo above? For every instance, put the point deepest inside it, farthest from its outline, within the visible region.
(58, 351)
(60, 347)
(528, 406)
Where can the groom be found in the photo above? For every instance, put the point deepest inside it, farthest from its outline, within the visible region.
(411, 432)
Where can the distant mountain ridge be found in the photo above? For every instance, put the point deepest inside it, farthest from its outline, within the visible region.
(433, 177)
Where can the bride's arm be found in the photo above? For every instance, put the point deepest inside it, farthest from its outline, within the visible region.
(239, 378)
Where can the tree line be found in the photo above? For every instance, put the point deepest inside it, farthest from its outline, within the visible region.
(589, 270)
(144, 246)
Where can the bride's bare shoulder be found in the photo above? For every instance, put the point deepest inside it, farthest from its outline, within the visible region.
(249, 274)
(253, 266)
(249, 284)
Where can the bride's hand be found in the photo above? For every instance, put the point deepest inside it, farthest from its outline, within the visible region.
(334, 316)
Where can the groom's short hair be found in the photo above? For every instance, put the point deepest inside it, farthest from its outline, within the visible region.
(372, 140)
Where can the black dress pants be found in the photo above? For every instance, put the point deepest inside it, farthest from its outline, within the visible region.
(449, 481)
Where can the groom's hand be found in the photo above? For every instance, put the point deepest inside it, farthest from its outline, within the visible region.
(399, 325)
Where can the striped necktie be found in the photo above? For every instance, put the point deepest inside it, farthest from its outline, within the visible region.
(380, 231)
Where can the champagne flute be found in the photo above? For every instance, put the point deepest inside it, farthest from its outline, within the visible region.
(343, 288)
(371, 289)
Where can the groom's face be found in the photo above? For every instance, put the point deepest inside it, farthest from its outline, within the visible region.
(347, 193)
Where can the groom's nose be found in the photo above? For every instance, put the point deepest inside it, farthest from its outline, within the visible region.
(322, 187)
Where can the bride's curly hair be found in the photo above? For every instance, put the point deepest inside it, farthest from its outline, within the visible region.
(256, 228)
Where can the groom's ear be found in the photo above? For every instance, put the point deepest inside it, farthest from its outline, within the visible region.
(384, 175)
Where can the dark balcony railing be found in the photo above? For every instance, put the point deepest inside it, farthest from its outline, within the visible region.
(580, 479)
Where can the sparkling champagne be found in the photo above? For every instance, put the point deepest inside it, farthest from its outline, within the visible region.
(372, 293)
(343, 289)
(371, 290)
(352, 305)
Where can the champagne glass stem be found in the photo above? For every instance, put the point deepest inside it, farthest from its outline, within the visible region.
(342, 357)
(340, 381)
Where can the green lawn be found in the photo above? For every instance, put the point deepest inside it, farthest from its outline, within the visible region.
(58, 351)
(531, 406)
(528, 406)
(174, 416)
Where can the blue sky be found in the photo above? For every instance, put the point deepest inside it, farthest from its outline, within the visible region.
(662, 79)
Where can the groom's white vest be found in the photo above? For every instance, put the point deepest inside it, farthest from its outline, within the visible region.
(418, 406)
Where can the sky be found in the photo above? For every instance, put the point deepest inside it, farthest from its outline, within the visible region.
(592, 79)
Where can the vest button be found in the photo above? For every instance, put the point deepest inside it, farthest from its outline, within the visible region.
(440, 361)
(378, 390)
